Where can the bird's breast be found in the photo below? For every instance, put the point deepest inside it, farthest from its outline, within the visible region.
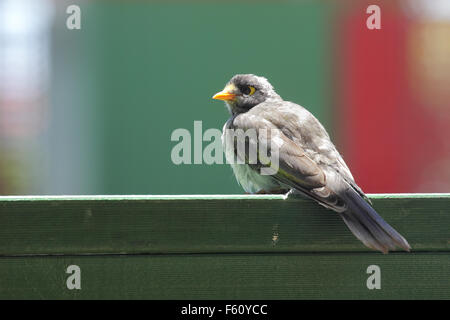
(248, 177)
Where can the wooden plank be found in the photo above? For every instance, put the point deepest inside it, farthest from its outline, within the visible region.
(228, 276)
(206, 224)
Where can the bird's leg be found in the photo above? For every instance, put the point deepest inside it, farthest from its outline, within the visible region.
(287, 194)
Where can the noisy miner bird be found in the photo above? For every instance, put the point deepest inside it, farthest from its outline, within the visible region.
(308, 162)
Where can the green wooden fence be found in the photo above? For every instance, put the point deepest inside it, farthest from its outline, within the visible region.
(216, 247)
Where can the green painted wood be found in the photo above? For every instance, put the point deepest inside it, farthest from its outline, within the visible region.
(228, 276)
(206, 224)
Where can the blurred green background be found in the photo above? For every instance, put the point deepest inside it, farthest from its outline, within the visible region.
(91, 111)
(136, 71)
(162, 78)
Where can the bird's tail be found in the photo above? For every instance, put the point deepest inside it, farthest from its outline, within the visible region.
(365, 223)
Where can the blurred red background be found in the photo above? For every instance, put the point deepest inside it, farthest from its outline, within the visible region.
(394, 99)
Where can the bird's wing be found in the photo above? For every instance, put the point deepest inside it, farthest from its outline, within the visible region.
(292, 165)
(323, 182)
(300, 126)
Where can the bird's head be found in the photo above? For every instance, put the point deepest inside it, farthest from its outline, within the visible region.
(244, 91)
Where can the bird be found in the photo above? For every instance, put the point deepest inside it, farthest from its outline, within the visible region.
(308, 162)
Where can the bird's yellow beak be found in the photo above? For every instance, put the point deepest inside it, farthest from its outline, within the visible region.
(222, 95)
(226, 94)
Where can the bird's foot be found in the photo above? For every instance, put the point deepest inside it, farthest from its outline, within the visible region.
(287, 194)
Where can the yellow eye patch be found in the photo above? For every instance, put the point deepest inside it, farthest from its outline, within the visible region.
(252, 90)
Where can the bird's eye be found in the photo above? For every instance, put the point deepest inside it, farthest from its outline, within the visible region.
(248, 90)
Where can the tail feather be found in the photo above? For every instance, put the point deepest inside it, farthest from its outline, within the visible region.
(365, 223)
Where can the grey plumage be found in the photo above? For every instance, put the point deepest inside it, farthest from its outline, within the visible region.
(308, 161)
